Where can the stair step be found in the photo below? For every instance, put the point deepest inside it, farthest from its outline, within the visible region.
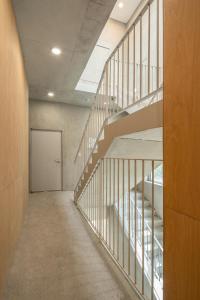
(139, 202)
(159, 270)
(157, 222)
(158, 233)
(147, 211)
(138, 195)
(156, 252)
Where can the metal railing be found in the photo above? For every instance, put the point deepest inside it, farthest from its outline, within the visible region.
(125, 217)
(133, 72)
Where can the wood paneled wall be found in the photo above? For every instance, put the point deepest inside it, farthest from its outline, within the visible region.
(13, 137)
(182, 149)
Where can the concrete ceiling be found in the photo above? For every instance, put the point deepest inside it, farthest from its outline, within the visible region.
(72, 25)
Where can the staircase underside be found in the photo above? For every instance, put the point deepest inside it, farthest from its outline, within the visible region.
(147, 118)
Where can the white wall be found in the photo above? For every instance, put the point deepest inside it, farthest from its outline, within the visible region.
(158, 196)
(71, 119)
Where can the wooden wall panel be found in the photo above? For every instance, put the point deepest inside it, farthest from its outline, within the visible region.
(13, 137)
(182, 263)
(181, 149)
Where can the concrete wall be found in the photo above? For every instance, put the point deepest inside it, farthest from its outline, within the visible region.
(71, 119)
(13, 137)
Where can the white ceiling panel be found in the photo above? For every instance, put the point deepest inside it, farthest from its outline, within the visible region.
(124, 14)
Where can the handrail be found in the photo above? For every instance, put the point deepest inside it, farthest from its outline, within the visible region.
(91, 153)
(120, 222)
(103, 126)
(126, 80)
(114, 51)
(89, 114)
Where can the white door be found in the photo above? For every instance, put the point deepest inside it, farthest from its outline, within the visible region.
(46, 160)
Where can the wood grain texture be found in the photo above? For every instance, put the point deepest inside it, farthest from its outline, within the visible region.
(13, 136)
(182, 251)
(181, 149)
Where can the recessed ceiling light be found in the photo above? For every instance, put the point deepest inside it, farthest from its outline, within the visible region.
(51, 94)
(121, 5)
(56, 51)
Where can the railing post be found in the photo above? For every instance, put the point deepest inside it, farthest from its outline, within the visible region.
(152, 235)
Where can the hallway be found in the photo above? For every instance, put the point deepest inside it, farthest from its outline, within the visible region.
(57, 256)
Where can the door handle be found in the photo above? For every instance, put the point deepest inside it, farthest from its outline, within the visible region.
(57, 161)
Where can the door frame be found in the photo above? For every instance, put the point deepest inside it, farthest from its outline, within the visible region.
(30, 144)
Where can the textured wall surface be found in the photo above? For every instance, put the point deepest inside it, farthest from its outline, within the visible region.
(181, 150)
(71, 119)
(13, 137)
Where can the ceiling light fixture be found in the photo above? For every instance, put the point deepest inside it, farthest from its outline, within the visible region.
(56, 51)
(51, 94)
(121, 5)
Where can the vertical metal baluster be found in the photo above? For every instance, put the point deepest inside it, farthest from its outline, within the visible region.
(128, 72)
(103, 181)
(110, 89)
(92, 197)
(141, 86)
(97, 116)
(106, 200)
(96, 206)
(110, 202)
(123, 209)
(96, 185)
(101, 199)
(92, 181)
(143, 275)
(134, 85)
(87, 203)
(99, 195)
(107, 97)
(102, 98)
(102, 111)
(118, 81)
(90, 201)
(118, 209)
(149, 45)
(114, 83)
(105, 100)
(95, 182)
(152, 236)
(96, 123)
(129, 219)
(135, 217)
(114, 207)
(123, 75)
(93, 202)
(98, 199)
(158, 42)
(88, 196)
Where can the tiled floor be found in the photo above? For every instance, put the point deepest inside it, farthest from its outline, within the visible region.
(58, 258)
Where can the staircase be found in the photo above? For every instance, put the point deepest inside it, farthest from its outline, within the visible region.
(149, 117)
(128, 100)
